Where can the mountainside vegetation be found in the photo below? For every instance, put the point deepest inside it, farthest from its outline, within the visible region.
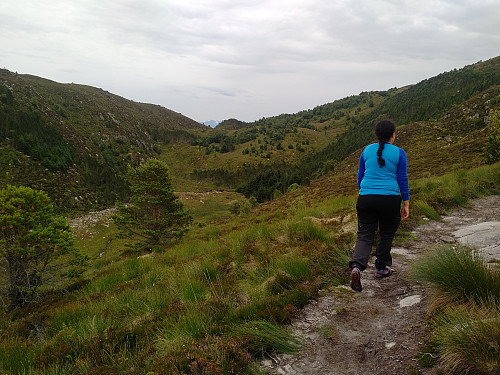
(297, 148)
(75, 142)
(425, 101)
(217, 300)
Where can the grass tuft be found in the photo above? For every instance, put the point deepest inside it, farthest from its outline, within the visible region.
(306, 231)
(268, 338)
(426, 210)
(469, 341)
(466, 308)
(459, 273)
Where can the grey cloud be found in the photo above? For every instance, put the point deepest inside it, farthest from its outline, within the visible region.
(245, 58)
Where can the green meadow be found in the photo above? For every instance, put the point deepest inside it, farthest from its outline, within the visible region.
(217, 301)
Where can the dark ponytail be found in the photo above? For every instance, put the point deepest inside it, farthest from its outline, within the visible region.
(384, 131)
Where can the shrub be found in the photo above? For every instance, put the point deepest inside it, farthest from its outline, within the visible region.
(241, 207)
(492, 150)
(36, 244)
(293, 187)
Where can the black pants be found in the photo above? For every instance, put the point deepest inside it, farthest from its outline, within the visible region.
(376, 211)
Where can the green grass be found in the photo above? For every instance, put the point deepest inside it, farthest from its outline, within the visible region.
(216, 300)
(468, 340)
(208, 206)
(460, 274)
(16, 355)
(306, 230)
(271, 338)
(426, 210)
(465, 310)
(295, 265)
(434, 196)
(78, 367)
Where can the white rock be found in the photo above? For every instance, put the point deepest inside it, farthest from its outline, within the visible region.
(410, 301)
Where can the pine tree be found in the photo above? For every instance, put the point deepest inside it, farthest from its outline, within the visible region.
(154, 217)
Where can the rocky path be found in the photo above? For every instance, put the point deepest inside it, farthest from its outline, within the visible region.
(382, 329)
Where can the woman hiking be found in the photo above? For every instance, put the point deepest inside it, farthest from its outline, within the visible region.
(383, 184)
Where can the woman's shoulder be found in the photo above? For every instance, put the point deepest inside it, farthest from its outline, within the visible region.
(370, 146)
(394, 147)
(397, 152)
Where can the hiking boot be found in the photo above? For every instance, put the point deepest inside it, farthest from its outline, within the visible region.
(356, 280)
(380, 274)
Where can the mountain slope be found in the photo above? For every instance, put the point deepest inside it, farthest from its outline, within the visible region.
(455, 141)
(215, 301)
(424, 101)
(75, 141)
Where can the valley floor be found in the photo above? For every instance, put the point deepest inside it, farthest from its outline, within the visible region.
(384, 328)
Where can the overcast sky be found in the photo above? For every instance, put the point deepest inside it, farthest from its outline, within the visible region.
(245, 59)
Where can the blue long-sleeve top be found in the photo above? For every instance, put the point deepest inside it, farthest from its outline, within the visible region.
(391, 179)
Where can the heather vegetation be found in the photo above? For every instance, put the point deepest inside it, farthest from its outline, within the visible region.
(217, 298)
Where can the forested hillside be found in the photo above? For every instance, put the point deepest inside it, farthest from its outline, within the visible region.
(75, 141)
(425, 101)
(456, 141)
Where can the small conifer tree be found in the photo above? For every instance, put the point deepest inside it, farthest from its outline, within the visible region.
(154, 215)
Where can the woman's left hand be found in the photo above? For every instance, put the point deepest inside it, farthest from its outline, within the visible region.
(405, 210)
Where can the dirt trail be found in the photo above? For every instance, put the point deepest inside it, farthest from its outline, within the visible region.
(382, 329)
